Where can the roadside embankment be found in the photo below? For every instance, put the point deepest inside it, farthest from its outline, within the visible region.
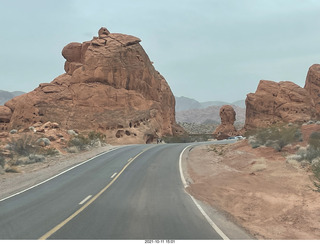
(257, 188)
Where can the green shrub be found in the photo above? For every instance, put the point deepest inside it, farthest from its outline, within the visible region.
(316, 176)
(314, 140)
(313, 150)
(276, 136)
(2, 161)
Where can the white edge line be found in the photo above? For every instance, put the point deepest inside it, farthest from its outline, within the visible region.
(113, 175)
(51, 178)
(213, 225)
(84, 200)
(184, 182)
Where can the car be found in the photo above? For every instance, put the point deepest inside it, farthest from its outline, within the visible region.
(239, 137)
(231, 137)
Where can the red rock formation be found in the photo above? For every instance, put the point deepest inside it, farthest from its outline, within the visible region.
(5, 114)
(109, 85)
(312, 85)
(278, 102)
(226, 128)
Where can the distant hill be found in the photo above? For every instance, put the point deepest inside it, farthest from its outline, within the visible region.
(6, 96)
(185, 103)
(209, 115)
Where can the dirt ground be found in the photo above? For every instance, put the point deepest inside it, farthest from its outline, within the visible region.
(270, 198)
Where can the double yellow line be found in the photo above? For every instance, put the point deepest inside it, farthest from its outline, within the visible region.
(59, 226)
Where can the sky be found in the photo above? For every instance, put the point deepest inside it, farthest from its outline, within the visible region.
(208, 50)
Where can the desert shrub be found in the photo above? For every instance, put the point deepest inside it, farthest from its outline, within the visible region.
(2, 161)
(80, 141)
(24, 145)
(313, 150)
(314, 140)
(275, 136)
(316, 176)
(49, 151)
(187, 138)
(12, 169)
(93, 135)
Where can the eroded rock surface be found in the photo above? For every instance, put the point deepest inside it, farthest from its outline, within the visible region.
(312, 85)
(274, 103)
(109, 85)
(226, 128)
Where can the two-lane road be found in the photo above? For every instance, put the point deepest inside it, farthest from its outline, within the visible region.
(134, 192)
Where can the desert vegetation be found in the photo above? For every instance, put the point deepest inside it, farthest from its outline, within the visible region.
(279, 136)
(186, 138)
(31, 147)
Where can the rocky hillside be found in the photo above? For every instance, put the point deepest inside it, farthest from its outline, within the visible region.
(109, 85)
(185, 103)
(6, 96)
(284, 101)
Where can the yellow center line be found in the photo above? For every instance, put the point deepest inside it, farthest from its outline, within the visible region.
(59, 226)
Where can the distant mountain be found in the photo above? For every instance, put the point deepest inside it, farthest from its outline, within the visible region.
(185, 103)
(6, 96)
(209, 115)
(240, 103)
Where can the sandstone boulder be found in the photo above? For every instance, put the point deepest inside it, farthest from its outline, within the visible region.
(226, 128)
(278, 102)
(5, 114)
(72, 52)
(109, 85)
(312, 85)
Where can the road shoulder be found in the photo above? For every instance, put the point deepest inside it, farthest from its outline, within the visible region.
(223, 220)
(258, 188)
(33, 174)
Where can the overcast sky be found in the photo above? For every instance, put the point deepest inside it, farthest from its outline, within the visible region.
(206, 49)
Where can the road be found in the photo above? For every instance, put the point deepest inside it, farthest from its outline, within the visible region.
(134, 192)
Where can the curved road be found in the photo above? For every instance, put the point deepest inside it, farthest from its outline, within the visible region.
(134, 192)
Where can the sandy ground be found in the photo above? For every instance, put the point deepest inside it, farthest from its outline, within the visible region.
(270, 198)
(32, 174)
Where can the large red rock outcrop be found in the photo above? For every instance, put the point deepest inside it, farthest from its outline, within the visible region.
(278, 102)
(109, 85)
(312, 85)
(226, 128)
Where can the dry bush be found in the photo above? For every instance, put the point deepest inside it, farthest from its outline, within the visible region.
(24, 145)
(277, 136)
(316, 176)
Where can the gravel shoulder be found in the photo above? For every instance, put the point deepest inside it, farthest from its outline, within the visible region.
(33, 174)
(257, 189)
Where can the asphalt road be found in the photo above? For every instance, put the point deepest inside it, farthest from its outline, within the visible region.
(134, 192)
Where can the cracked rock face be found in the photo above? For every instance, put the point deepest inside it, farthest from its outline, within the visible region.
(278, 102)
(226, 128)
(109, 85)
(313, 85)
